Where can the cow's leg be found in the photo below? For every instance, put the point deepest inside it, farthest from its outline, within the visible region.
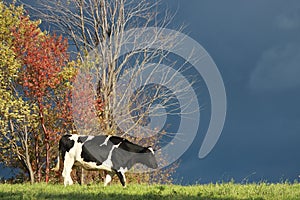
(108, 177)
(122, 177)
(68, 164)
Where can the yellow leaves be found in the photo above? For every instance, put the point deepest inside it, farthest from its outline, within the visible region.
(41, 34)
(9, 65)
(9, 18)
(12, 107)
(68, 73)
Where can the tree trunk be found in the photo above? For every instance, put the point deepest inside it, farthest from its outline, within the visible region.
(30, 170)
(37, 158)
(27, 157)
(47, 146)
(47, 170)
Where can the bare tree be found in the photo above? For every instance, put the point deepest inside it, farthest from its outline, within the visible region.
(21, 145)
(17, 141)
(115, 41)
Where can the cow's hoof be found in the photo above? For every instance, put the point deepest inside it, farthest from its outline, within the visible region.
(66, 183)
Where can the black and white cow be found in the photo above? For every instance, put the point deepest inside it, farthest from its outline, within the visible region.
(114, 154)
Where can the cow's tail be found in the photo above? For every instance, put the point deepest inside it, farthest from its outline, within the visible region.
(56, 168)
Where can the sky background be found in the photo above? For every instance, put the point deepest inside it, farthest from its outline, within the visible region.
(256, 46)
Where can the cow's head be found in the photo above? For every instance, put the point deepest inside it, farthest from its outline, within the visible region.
(150, 159)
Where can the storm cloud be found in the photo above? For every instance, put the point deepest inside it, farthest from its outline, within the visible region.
(278, 69)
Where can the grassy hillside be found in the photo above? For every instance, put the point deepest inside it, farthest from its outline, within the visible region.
(144, 192)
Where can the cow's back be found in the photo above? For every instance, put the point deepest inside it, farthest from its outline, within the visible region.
(96, 149)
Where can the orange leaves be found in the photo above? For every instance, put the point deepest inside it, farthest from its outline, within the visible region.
(42, 56)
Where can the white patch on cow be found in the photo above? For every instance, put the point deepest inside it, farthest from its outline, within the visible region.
(123, 170)
(93, 165)
(108, 161)
(108, 179)
(74, 137)
(106, 140)
(68, 164)
(152, 151)
(90, 137)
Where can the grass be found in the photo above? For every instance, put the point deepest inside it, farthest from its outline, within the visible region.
(144, 192)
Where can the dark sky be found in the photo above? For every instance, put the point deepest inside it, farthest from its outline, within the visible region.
(256, 46)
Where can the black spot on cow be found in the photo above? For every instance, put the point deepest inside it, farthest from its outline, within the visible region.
(116, 140)
(92, 151)
(65, 145)
(126, 145)
(89, 156)
(82, 139)
(131, 147)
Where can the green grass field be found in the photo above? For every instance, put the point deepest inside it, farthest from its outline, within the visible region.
(144, 192)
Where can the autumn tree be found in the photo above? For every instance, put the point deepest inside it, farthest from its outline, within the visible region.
(17, 117)
(35, 85)
(44, 60)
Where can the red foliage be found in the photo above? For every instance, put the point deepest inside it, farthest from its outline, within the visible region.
(43, 58)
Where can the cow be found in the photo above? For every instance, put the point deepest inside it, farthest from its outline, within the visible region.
(111, 153)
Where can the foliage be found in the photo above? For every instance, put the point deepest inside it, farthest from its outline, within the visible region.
(44, 61)
(35, 85)
(17, 117)
(209, 191)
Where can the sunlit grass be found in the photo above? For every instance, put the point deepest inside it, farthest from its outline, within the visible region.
(143, 192)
